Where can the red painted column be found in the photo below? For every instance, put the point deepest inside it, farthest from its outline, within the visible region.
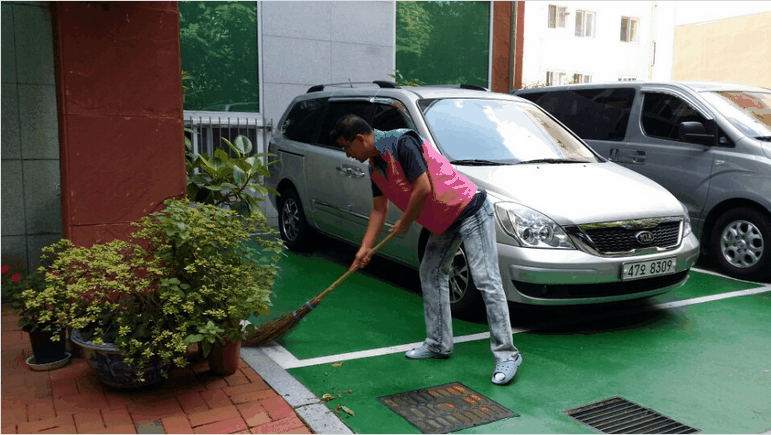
(502, 63)
(501, 75)
(120, 114)
(519, 44)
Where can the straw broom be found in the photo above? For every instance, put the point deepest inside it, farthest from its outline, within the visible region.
(277, 328)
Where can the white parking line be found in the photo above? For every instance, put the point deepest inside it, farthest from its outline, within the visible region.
(288, 361)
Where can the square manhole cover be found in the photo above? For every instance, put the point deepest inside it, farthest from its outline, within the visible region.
(445, 408)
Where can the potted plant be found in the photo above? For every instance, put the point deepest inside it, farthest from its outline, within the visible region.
(118, 298)
(38, 308)
(222, 264)
(228, 180)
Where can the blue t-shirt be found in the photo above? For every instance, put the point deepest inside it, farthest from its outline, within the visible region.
(409, 154)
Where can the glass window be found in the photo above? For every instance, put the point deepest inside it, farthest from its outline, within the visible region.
(303, 119)
(218, 43)
(750, 112)
(629, 28)
(557, 16)
(585, 23)
(598, 114)
(443, 42)
(555, 78)
(337, 110)
(501, 131)
(663, 114)
(391, 117)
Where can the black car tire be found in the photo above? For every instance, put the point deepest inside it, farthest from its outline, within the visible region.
(292, 225)
(465, 299)
(741, 244)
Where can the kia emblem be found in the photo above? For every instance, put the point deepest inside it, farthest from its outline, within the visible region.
(644, 237)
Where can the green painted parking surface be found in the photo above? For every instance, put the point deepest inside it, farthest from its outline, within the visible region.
(704, 365)
(707, 365)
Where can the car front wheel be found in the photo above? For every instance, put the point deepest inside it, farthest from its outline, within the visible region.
(293, 227)
(465, 299)
(741, 244)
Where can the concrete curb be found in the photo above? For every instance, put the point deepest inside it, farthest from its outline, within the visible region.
(308, 407)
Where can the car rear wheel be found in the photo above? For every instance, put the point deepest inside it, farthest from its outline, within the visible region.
(465, 299)
(293, 227)
(741, 244)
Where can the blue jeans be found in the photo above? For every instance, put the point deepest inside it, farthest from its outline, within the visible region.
(477, 232)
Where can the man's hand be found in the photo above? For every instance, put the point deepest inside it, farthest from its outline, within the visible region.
(399, 227)
(362, 257)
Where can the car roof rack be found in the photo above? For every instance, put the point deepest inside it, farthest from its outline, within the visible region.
(380, 83)
(460, 86)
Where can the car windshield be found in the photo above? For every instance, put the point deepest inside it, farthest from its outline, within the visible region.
(750, 112)
(480, 131)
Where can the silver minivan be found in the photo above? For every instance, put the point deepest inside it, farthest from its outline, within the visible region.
(707, 143)
(572, 227)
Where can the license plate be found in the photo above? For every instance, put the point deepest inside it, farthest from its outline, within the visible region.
(645, 269)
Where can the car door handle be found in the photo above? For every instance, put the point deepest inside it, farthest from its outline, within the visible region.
(636, 157)
(344, 170)
(356, 172)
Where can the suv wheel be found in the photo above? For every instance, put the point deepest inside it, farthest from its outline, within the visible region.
(291, 221)
(741, 244)
(465, 299)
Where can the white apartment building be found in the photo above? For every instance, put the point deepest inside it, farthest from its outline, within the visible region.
(597, 41)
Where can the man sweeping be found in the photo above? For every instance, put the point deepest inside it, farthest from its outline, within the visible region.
(409, 172)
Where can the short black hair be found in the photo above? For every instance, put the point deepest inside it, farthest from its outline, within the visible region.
(348, 126)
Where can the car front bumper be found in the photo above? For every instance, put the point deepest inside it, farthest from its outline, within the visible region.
(571, 277)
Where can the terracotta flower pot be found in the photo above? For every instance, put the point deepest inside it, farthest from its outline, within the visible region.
(223, 359)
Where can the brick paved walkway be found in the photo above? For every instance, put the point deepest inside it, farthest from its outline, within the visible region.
(71, 399)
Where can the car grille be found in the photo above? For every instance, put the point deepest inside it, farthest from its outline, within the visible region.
(617, 239)
(581, 291)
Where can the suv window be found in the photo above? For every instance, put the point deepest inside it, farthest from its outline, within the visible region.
(388, 117)
(663, 113)
(598, 114)
(338, 109)
(380, 116)
(302, 119)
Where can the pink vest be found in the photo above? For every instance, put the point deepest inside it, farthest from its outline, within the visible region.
(450, 193)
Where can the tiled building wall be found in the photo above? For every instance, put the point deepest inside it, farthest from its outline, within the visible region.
(31, 202)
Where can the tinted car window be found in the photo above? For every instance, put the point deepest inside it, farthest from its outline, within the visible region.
(388, 117)
(336, 110)
(599, 114)
(663, 113)
(302, 120)
(501, 131)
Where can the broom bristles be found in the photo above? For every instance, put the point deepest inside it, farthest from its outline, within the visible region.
(277, 328)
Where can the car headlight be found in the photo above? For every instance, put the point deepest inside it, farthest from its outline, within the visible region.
(686, 221)
(531, 228)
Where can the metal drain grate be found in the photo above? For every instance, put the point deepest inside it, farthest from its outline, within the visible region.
(618, 415)
(446, 408)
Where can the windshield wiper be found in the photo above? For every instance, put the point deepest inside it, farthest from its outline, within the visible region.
(551, 161)
(764, 138)
(477, 162)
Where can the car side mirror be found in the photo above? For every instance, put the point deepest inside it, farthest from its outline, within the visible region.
(695, 132)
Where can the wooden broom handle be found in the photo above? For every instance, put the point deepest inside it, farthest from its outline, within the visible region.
(334, 285)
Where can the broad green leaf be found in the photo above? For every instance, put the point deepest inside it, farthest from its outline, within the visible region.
(221, 155)
(243, 143)
(232, 147)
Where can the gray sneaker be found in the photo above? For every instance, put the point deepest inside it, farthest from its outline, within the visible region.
(423, 352)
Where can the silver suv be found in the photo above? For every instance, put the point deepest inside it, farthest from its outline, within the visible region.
(572, 228)
(707, 143)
